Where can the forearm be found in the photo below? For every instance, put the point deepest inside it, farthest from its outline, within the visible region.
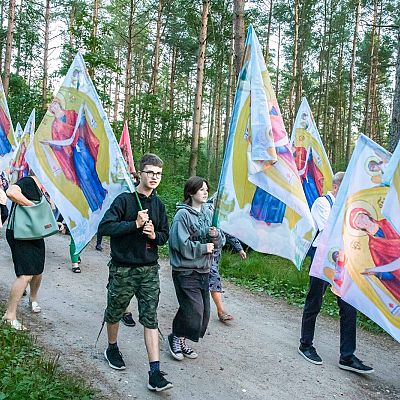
(234, 242)
(15, 195)
(116, 228)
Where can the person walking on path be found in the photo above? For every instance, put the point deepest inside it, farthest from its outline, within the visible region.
(137, 224)
(28, 255)
(320, 211)
(99, 239)
(75, 257)
(191, 244)
(216, 289)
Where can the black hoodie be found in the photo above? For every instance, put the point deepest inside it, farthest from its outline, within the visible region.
(130, 247)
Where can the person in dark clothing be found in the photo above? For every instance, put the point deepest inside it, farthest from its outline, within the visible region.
(137, 224)
(320, 211)
(28, 255)
(3, 198)
(99, 240)
(191, 244)
(3, 207)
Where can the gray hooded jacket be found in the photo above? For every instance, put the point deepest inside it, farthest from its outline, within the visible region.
(188, 239)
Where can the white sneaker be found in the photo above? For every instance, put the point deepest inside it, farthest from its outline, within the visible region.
(187, 351)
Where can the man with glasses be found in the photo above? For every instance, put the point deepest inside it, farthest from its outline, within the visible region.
(137, 224)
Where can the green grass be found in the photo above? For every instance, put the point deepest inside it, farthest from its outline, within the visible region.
(278, 277)
(26, 372)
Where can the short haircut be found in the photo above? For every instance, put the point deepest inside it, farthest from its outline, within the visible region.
(192, 186)
(337, 178)
(150, 159)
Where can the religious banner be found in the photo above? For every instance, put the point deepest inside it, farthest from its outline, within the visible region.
(7, 139)
(311, 159)
(260, 196)
(76, 157)
(126, 149)
(391, 207)
(359, 250)
(19, 166)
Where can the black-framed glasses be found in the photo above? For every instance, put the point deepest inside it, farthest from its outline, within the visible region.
(153, 174)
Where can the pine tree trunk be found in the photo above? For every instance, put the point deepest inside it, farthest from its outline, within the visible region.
(194, 150)
(71, 31)
(374, 120)
(238, 31)
(218, 123)
(1, 42)
(156, 64)
(188, 100)
(46, 53)
(266, 54)
(93, 39)
(18, 18)
(9, 45)
(334, 137)
(278, 61)
(294, 62)
(172, 105)
(321, 63)
(326, 126)
(228, 100)
(116, 92)
(394, 135)
(351, 80)
(128, 69)
(211, 130)
(367, 114)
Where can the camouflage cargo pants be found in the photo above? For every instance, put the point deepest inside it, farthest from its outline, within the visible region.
(126, 282)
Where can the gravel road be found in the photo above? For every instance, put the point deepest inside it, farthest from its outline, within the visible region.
(255, 357)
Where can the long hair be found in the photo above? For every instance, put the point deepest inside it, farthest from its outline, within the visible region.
(192, 186)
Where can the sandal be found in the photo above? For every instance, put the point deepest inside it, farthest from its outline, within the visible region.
(224, 317)
(14, 323)
(76, 270)
(35, 307)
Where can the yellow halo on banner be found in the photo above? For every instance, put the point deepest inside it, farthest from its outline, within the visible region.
(367, 166)
(332, 257)
(359, 204)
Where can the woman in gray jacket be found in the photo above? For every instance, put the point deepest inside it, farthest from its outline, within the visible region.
(191, 243)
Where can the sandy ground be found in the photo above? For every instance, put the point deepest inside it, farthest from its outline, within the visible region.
(253, 358)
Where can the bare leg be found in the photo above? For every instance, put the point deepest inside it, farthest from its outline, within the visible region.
(152, 344)
(16, 292)
(217, 297)
(112, 332)
(34, 285)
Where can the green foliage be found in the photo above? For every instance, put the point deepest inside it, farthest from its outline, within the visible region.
(22, 99)
(28, 373)
(278, 277)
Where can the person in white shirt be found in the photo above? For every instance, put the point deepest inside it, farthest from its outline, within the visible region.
(320, 211)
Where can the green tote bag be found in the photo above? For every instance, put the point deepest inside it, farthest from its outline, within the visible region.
(34, 222)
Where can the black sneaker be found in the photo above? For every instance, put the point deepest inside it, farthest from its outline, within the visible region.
(158, 383)
(99, 247)
(128, 320)
(114, 358)
(354, 364)
(175, 349)
(310, 354)
(187, 351)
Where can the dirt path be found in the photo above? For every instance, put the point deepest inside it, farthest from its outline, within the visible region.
(254, 358)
